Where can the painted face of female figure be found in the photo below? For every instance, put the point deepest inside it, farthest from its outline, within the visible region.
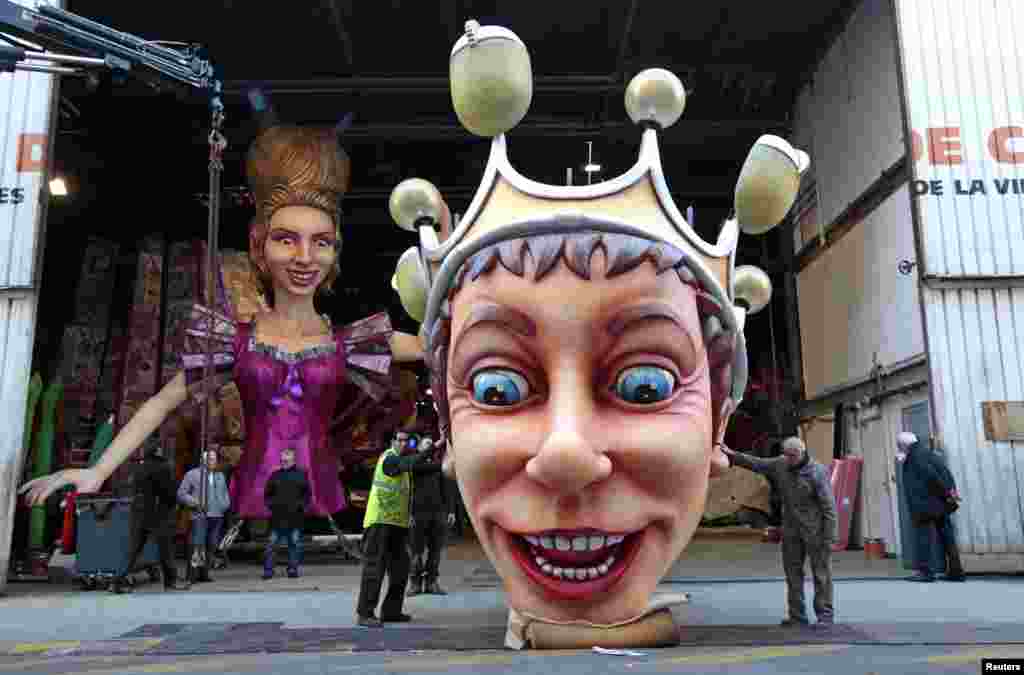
(582, 428)
(300, 250)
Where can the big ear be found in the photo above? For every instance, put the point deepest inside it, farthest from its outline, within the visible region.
(719, 462)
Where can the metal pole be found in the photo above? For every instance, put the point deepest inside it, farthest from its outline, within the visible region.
(217, 144)
(775, 359)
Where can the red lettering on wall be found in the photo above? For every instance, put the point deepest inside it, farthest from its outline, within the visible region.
(31, 152)
(916, 146)
(999, 145)
(944, 146)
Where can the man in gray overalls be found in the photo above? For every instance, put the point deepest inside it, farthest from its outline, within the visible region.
(808, 524)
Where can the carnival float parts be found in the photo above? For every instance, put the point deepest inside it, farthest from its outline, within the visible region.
(555, 603)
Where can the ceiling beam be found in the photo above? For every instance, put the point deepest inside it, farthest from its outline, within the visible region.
(620, 58)
(333, 8)
(683, 188)
(612, 85)
(448, 132)
(404, 85)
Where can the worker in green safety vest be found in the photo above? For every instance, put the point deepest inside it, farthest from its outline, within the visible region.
(386, 534)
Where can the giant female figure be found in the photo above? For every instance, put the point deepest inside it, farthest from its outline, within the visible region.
(291, 366)
(586, 348)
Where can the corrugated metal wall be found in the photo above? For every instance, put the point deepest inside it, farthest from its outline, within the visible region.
(25, 120)
(963, 82)
(976, 343)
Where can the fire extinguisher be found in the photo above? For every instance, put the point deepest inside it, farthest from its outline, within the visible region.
(68, 534)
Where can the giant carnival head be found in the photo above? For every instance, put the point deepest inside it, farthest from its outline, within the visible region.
(298, 175)
(585, 344)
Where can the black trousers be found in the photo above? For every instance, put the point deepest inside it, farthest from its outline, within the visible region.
(164, 536)
(386, 551)
(428, 532)
(947, 538)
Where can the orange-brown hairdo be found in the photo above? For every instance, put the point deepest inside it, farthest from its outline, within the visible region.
(292, 165)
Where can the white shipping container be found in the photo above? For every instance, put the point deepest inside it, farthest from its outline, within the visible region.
(963, 78)
(26, 132)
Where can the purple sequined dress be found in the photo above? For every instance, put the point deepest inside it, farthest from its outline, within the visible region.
(289, 399)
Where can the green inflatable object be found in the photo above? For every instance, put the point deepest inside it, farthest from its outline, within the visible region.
(35, 390)
(44, 459)
(104, 436)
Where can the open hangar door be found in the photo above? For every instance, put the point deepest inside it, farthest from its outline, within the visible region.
(135, 162)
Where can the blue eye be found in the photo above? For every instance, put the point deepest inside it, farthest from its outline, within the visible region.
(644, 384)
(499, 387)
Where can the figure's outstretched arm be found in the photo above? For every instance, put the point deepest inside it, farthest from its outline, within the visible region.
(145, 421)
(749, 462)
(406, 347)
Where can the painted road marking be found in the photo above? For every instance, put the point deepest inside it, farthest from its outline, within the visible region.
(976, 655)
(38, 647)
(749, 655)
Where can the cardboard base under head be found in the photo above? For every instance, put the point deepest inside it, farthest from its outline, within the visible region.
(656, 627)
(654, 630)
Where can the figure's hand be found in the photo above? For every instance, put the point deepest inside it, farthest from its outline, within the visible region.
(86, 481)
(451, 520)
(720, 460)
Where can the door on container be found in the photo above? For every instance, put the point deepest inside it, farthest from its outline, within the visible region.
(877, 495)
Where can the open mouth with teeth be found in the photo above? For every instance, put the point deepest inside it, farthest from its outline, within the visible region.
(302, 278)
(574, 564)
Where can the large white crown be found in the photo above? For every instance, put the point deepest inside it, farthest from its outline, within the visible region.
(491, 84)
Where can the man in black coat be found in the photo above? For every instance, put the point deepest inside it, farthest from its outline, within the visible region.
(152, 514)
(931, 495)
(433, 512)
(287, 496)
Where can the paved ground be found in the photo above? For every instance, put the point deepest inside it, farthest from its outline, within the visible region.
(832, 659)
(242, 624)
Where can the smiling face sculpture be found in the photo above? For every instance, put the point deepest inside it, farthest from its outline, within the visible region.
(580, 397)
(586, 349)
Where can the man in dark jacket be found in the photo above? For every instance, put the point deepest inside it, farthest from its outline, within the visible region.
(152, 514)
(433, 512)
(930, 492)
(286, 496)
(809, 524)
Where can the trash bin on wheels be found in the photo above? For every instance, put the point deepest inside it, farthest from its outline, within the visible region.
(908, 537)
(104, 536)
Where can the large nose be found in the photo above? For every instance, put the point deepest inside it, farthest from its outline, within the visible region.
(568, 460)
(304, 252)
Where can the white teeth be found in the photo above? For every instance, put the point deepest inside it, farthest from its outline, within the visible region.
(602, 569)
(558, 572)
(579, 543)
(540, 561)
(548, 569)
(593, 573)
(581, 574)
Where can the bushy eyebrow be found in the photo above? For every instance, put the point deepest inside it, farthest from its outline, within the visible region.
(626, 319)
(282, 229)
(505, 317)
